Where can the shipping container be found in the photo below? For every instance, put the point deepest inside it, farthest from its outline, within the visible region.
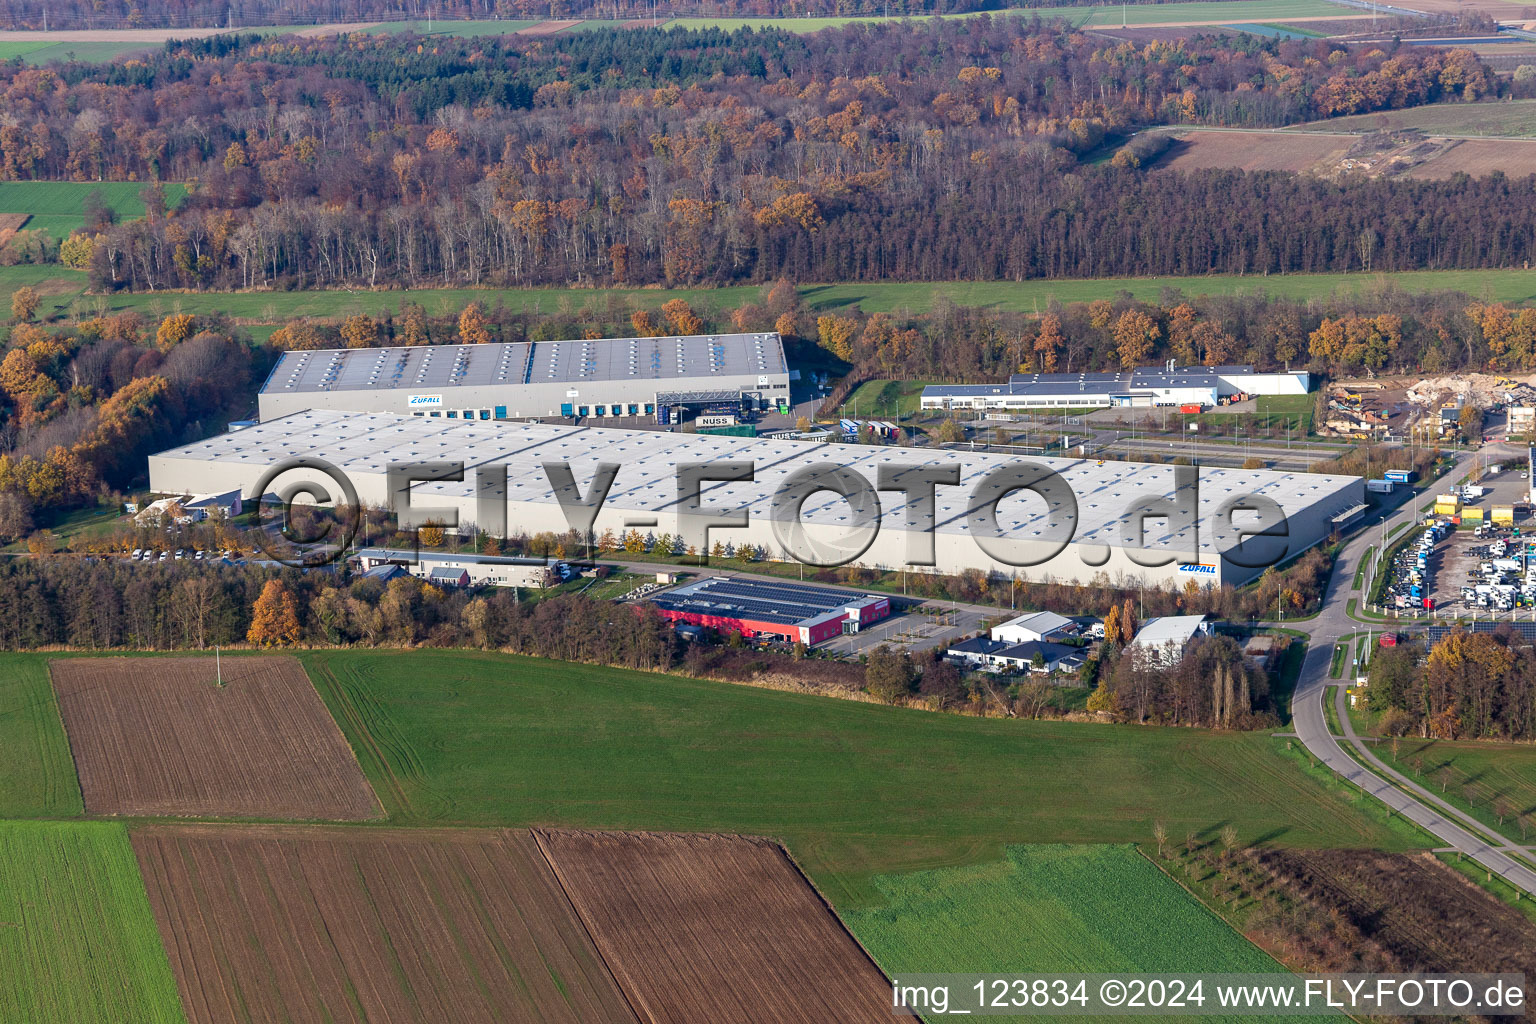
(1379, 486)
(1504, 514)
(1400, 476)
(1191, 407)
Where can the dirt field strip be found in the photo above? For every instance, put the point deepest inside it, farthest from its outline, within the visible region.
(547, 28)
(156, 736)
(1347, 155)
(714, 928)
(309, 923)
(10, 223)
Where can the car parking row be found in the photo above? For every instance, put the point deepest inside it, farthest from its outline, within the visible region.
(1500, 575)
(169, 555)
(1409, 576)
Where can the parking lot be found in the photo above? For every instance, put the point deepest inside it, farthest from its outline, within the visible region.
(913, 628)
(1480, 570)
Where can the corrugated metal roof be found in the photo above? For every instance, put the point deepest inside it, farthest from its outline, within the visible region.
(431, 367)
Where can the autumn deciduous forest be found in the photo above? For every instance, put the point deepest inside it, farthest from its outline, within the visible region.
(1471, 685)
(937, 150)
(247, 13)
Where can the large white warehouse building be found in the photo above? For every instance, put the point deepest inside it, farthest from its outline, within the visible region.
(1145, 387)
(1184, 537)
(667, 379)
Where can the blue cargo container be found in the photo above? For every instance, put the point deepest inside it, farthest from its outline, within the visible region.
(1399, 476)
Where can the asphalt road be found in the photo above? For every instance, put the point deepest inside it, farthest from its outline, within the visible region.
(1402, 794)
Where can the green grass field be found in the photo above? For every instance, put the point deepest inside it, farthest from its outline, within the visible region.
(1050, 909)
(451, 737)
(1254, 11)
(37, 774)
(10, 49)
(104, 50)
(77, 937)
(1282, 412)
(64, 293)
(885, 399)
(1503, 119)
(58, 206)
(1498, 773)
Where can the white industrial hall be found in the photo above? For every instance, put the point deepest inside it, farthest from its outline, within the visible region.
(644, 494)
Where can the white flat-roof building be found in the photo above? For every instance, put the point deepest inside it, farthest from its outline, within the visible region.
(1145, 387)
(1164, 640)
(480, 570)
(606, 378)
(1033, 626)
(1085, 528)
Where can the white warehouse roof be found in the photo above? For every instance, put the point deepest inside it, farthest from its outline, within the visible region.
(1043, 623)
(1168, 629)
(363, 445)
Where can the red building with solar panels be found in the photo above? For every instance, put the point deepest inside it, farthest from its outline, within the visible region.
(783, 610)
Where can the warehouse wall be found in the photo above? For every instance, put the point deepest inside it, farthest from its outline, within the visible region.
(537, 399)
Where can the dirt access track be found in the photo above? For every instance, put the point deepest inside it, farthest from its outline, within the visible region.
(157, 736)
(306, 923)
(715, 928)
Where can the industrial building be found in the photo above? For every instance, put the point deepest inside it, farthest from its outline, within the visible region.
(783, 610)
(1145, 387)
(720, 377)
(1188, 529)
(477, 570)
(1003, 656)
(1164, 640)
(1034, 626)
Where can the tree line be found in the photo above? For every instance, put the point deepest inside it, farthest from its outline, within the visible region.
(115, 604)
(1469, 685)
(681, 157)
(117, 14)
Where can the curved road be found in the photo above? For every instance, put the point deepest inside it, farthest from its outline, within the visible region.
(1457, 830)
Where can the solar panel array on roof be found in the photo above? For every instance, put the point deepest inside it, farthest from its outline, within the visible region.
(785, 604)
(572, 361)
(1524, 630)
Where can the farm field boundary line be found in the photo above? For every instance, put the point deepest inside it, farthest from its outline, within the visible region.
(403, 924)
(154, 737)
(737, 906)
(631, 996)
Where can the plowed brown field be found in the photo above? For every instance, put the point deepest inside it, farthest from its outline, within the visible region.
(156, 736)
(715, 928)
(10, 223)
(304, 923)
